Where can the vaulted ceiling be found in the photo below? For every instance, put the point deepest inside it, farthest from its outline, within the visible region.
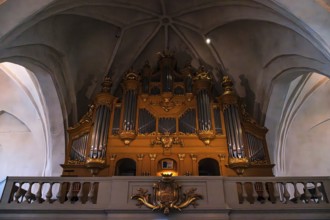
(79, 42)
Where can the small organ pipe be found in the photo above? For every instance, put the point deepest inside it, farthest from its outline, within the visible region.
(239, 131)
(203, 110)
(129, 106)
(130, 117)
(208, 111)
(98, 130)
(125, 111)
(235, 130)
(230, 145)
(132, 110)
(94, 133)
(102, 131)
(101, 128)
(106, 132)
(199, 112)
(85, 144)
(201, 122)
(232, 130)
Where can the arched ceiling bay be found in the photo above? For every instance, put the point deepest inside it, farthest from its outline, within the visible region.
(93, 38)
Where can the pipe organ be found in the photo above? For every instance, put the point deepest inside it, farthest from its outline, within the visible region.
(167, 120)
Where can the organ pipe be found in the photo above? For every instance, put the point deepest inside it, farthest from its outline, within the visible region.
(131, 83)
(100, 132)
(204, 114)
(91, 146)
(237, 159)
(130, 110)
(202, 84)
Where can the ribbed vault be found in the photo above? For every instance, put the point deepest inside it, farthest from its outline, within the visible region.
(79, 42)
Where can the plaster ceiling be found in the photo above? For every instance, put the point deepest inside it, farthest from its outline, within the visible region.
(79, 42)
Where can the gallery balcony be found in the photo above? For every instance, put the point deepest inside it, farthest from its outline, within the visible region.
(220, 198)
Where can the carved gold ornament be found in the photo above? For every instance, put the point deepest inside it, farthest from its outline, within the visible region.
(167, 141)
(95, 165)
(127, 136)
(238, 164)
(206, 136)
(167, 195)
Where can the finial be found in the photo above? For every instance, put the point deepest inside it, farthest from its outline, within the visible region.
(202, 74)
(131, 75)
(227, 84)
(106, 84)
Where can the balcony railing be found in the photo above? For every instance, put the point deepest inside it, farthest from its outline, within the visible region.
(231, 196)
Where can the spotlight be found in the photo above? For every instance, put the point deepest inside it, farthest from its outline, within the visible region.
(208, 40)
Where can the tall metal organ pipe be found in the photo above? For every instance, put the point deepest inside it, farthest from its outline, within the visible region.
(101, 121)
(204, 114)
(167, 66)
(202, 85)
(131, 85)
(232, 119)
(100, 132)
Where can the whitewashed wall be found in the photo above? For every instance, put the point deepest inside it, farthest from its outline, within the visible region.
(299, 121)
(26, 145)
(307, 147)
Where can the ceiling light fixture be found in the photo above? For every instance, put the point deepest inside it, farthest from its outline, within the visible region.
(208, 40)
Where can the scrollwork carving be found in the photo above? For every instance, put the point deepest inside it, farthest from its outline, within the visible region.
(167, 195)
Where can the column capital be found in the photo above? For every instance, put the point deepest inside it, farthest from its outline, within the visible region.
(140, 156)
(181, 156)
(193, 157)
(152, 156)
(113, 156)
